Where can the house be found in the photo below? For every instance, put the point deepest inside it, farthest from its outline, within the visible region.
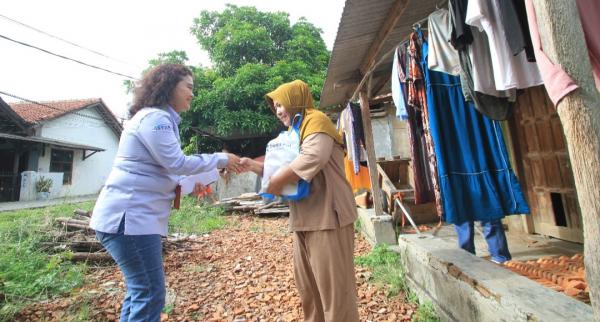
(461, 286)
(73, 142)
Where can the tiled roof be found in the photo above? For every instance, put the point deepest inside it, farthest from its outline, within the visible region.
(33, 113)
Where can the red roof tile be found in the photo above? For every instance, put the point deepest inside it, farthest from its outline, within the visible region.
(33, 113)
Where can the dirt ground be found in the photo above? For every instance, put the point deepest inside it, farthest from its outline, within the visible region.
(241, 273)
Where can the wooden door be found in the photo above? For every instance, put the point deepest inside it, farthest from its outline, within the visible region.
(544, 167)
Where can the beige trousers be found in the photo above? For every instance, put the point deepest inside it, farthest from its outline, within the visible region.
(324, 273)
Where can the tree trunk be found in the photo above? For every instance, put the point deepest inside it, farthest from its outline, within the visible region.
(563, 41)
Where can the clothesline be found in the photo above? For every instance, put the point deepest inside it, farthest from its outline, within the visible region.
(385, 56)
(393, 49)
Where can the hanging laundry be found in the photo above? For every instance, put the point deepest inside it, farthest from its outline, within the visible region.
(353, 136)
(360, 180)
(509, 71)
(494, 104)
(460, 36)
(398, 79)
(442, 56)
(514, 19)
(476, 180)
(422, 185)
(417, 102)
(557, 82)
(496, 108)
(589, 13)
(359, 132)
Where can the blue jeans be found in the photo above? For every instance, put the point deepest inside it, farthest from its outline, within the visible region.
(140, 259)
(494, 236)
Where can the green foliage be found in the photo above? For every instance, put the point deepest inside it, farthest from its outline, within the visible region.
(172, 57)
(168, 309)
(252, 52)
(386, 267)
(26, 272)
(43, 184)
(20, 225)
(190, 219)
(242, 35)
(426, 313)
(31, 274)
(387, 270)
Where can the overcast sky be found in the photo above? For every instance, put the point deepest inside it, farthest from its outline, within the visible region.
(132, 32)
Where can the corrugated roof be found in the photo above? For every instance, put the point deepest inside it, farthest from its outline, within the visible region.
(358, 30)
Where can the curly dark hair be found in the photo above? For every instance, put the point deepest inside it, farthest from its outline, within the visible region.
(156, 86)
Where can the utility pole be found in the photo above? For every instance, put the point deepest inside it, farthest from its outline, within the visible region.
(563, 41)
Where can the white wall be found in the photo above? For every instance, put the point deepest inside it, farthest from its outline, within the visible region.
(400, 144)
(90, 174)
(29, 178)
(390, 135)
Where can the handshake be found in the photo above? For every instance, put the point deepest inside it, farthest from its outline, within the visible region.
(236, 164)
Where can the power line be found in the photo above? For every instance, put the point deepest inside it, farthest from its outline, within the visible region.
(64, 40)
(50, 107)
(65, 57)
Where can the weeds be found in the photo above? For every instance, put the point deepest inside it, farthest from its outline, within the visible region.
(190, 219)
(26, 273)
(426, 313)
(388, 271)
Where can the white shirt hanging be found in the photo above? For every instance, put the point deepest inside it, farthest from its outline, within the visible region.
(442, 57)
(509, 71)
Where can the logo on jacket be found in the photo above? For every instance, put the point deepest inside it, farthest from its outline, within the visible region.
(162, 127)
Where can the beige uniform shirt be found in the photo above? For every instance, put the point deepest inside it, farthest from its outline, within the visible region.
(330, 204)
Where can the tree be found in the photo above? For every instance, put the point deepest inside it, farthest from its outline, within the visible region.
(174, 57)
(563, 41)
(252, 53)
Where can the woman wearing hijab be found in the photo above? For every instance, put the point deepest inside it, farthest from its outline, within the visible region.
(133, 207)
(322, 223)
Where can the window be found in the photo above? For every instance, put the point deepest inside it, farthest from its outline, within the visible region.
(62, 161)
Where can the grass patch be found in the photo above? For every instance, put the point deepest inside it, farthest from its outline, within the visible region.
(20, 224)
(386, 268)
(190, 219)
(426, 313)
(168, 309)
(388, 272)
(26, 273)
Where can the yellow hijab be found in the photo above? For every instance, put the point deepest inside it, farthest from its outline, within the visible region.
(296, 98)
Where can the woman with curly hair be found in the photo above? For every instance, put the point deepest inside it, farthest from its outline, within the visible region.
(132, 211)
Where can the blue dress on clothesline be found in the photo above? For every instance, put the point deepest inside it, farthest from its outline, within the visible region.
(476, 179)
